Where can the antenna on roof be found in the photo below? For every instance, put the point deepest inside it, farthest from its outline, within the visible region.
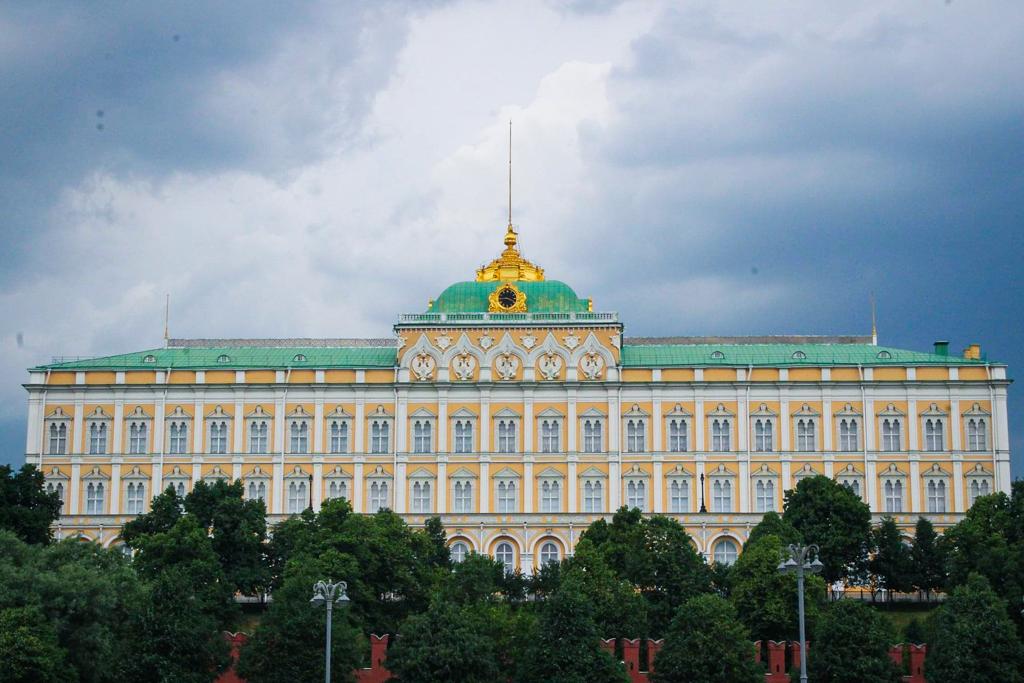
(874, 325)
(510, 173)
(167, 320)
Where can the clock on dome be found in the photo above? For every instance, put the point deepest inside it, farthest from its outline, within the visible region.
(507, 298)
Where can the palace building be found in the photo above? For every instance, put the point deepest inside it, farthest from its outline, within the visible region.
(520, 415)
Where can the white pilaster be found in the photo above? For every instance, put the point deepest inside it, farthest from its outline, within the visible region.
(955, 424)
(400, 484)
(699, 420)
(442, 485)
(198, 423)
(442, 421)
(614, 483)
(317, 494)
(571, 422)
(787, 474)
(485, 422)
(657, 483)
(238, 427)
(572, 485)
(871, 484)
(913, 443)
(278, 485)
(915, 485)
(827, 425)
(318, 426)
(784, 423)
(75, 486)
(528, 425)
(958, 485)
(117, 433)
(357, 484)
(115, 485)
(744, 485)
(528, 483)
(79, 427)
(485, 484)
(657, 425)
(359, 429)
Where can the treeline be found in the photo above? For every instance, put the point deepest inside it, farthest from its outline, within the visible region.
(71, 611)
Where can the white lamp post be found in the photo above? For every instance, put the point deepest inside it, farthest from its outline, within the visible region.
(799, 562)
(326, 593)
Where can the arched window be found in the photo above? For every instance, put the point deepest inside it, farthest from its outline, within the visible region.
(421, 497)
(762, 435)
(296, 497)
(137, 432)
(94, 499)
(976, 436)
(177, 443)
(97, 438)
(258, 430)
(550, 496)
(458, 551)
(720, 435)
(506, 496)
(592, 497)
(635, 433)
(179, 489)
(462, 500)
(805, 435)
(548, 553)
(57, 488)
(764, 495)
(378, 496)
(679, 496)
(937, 496)
(848, 435)
(463, 436)
(337, 489)
(890, 434)
(677, 436)
(592, 436)
(506, 436)
(135, 498)
(893, 495)
(933, 435)
(979, 488)
(58, 438)
(549, 432)
(218, 436)
(636, 495)
(853, 485)
(504, 554)
(339, 436)
(379, 436)
(421, 436)
(726, 552)
(721, 496)
(299, 437)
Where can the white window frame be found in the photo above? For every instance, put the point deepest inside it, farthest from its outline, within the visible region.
(382, 499)
(337, 484)
(979, 482)
(894, 490)
(505, 552)
(556, 484)
(501, 482)
(934, 423)
(635, 423)
(725, 551)
(851, 418)
(979, 441)
(598, 489)
(422, 428)
(636, 489)
(52, 430)
(299, 432)
(895, 418)
(936, 491)
(57, 481)
(460, 421)
(678, 443)
(339, 431)
(98, 433)
(592, 438)
(296, 490)
(719, 441)
(257, 431)
(764, 429)
(853, 480)
(257, 485)
(764, 487)
(458, 482)
(378, 430)
(220, 422)
(549, 553)
(421, 500)
(459, 550)
(724, 493)
(550, 424)
(177, 420)
(135, 422)
(135, 495)
(806, 428)
(680, 478)
(97, 499)
(509, 418)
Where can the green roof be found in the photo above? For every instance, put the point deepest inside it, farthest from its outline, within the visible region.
(238, 358)
(666, 355)
(547, 296)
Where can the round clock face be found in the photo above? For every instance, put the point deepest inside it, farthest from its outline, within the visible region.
(507, 297)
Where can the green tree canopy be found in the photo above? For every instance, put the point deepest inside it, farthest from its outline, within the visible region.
(973, 639)
(619, 610)
(765, 598)
(29, 649)
(707, 643)
(928, 558)
(850, 644)
(891, 565)
(828, 514)
(567, 646)
(656, 555)
(772, 524)
(25, 506)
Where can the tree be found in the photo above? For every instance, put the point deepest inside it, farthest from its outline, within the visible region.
(891, 564)
(450, 642)
(772, 524)
(25, 506)
(29, 649)
(567, 646)
(179, 634)
(828, 514)
(706, 643)
(973, 639)
(990, 541)
(928, 558)
(656, 555)
(851, 645)
(765, 598)
(619, 611)
(164, 512)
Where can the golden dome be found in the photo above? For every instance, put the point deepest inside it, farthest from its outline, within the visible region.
(510, 265)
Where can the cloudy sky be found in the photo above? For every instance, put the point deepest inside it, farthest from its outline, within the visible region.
(313, 169)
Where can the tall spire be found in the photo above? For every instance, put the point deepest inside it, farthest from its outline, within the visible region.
(510, 174)
(874, 325)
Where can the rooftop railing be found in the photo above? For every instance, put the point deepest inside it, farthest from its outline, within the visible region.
(476, 318)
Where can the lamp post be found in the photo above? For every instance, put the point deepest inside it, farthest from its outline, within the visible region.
(799, 562)
(703, 508)
(326, 593)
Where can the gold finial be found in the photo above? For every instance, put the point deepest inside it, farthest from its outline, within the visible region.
(509, 180)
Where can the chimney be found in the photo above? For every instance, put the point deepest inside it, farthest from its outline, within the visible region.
(942, 348)
(973, 352)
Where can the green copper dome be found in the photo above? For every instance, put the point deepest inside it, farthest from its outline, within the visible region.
(545, 296)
